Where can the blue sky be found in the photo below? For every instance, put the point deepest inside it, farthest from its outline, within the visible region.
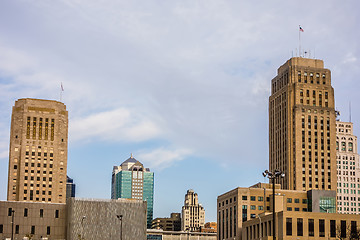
(183, 85)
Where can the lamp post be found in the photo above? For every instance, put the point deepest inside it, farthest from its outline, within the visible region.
(12, 223)
(82, 228)
(120, 218)
(272, 176)
(260, 229)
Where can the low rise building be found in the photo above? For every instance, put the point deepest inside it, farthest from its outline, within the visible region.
(210, 227)
(153, 234)
(173, 223)
(301, 225)
(239, 205)
(32, 219)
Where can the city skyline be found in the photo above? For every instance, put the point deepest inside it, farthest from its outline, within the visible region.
(177, 84)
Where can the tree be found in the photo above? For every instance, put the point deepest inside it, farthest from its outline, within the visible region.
(347, 232)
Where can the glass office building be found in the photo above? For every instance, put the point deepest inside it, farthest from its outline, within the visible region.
(132, 180)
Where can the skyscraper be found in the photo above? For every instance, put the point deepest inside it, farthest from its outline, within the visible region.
(348, 188)
(38, 151)
(132, 180)
(192, 214)
(302, 125)
(70, 187)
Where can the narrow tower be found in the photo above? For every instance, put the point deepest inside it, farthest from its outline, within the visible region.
(302, 125)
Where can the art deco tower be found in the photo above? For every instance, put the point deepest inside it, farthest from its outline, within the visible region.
(38, 151)
(302, 125)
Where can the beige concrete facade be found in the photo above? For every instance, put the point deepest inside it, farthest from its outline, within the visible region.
(243, 204)
(179, 235)
(39, 220)
(173, 223)
(94, 219)
(38, 151)
(300, 225)
(302, 125)
(348, 169)
(192, 214)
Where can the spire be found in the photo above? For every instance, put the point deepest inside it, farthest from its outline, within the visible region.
(131, 156)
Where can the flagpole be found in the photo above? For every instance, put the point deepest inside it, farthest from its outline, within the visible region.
(299, 42)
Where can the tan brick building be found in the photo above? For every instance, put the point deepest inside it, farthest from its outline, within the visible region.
(38, 151)
(300, 225)
(239, 205)
(39, 220)
(302, 125)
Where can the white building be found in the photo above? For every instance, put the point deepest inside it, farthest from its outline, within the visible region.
(192, 214)
(348, 169)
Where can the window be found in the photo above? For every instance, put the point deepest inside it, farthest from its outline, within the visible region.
(288, 226)
(289, 209)
(244, 197)
(289, 200)
(1, 228)
(48, 230)
(299, 226)
(297, 200)
(17, 229)
(343, 229)
(253, 207)
(260, 207)
(25, 212)
(260, 199)
(41, 213)
(10, 212)
(253, 198)
(32, 229)
(332, 228)
(321, 228)
(56, 213)
(311, 227)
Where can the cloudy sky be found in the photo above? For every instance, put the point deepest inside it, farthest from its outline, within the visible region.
(183, 85)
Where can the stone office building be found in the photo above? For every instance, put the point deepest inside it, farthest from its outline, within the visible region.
(38, 151)
(240, 205)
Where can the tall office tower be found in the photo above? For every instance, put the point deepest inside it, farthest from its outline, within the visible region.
(132, 180)
(70, 187)
(348, 174)
(192, 214)
(38, 151)
(302, 125)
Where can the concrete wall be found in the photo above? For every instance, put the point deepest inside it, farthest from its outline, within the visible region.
(97, 219)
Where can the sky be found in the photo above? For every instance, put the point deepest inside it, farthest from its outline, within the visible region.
(183, 85)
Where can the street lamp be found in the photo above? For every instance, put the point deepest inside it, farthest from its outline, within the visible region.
(260, 229)
(82, 228)
(12, 223)
(120, 218)
(272, 176)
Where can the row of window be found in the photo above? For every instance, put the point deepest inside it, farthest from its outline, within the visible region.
(32, 229)
(26, 212)
(227, 222)
(40, 128)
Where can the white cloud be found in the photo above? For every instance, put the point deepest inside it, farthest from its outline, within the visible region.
(162, 158)
(119, 125)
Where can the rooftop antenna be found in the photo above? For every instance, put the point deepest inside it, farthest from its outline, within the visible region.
(349, 111)
(61, 91)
